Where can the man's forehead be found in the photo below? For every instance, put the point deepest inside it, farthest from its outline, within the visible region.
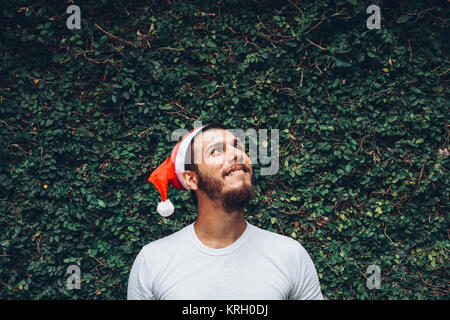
(212, 136)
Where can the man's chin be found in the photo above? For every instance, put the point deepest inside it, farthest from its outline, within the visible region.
(238, 198)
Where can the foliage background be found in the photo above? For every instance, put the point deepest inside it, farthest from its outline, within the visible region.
(87, 114)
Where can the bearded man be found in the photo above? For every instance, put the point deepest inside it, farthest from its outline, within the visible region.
(221, 256)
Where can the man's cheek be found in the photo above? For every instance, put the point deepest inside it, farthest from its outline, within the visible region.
(217, 161)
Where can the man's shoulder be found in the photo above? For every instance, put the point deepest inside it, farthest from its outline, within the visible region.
(275, 240)
(164, 244)
(288, 251)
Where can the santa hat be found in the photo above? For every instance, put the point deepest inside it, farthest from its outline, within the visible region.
(170, 171)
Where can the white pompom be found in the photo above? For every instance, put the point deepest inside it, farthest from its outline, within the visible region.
(165, 208)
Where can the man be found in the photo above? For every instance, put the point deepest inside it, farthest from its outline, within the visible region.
(220, 255)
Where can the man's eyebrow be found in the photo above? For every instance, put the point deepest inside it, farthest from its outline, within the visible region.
(218, 143)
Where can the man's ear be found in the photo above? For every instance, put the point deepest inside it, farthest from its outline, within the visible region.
(190, 179)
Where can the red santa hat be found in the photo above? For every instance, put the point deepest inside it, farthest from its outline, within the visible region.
(170, 171)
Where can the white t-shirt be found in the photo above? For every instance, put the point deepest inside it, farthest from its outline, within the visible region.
(259, 265)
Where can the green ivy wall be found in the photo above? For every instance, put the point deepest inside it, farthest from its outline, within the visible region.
(86, 115)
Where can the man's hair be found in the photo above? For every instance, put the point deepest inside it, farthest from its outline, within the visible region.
(191, 165)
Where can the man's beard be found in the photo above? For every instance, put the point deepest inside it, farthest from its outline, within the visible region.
(232, 200)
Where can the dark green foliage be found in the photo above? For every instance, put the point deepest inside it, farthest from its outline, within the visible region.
(86, 115)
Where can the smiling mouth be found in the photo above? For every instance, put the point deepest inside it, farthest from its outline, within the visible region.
(239, 171)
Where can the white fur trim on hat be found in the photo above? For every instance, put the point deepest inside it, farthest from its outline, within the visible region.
(181, 155)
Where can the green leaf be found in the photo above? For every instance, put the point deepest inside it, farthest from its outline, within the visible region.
(340, 63)
(101, 203)
(403, 18)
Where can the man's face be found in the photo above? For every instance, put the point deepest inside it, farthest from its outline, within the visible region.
(224, 169)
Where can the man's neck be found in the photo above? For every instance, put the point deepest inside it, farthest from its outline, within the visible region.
(217, 228)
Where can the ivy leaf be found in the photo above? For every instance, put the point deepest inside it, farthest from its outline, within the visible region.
(101, 203)
(403, 18)
(342, 64)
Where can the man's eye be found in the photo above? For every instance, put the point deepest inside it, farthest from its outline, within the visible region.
(215, 150)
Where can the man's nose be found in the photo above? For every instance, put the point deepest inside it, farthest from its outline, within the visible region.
(235, 154)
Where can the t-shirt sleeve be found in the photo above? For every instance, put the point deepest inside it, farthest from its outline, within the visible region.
(140, 281)
(306, 281)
